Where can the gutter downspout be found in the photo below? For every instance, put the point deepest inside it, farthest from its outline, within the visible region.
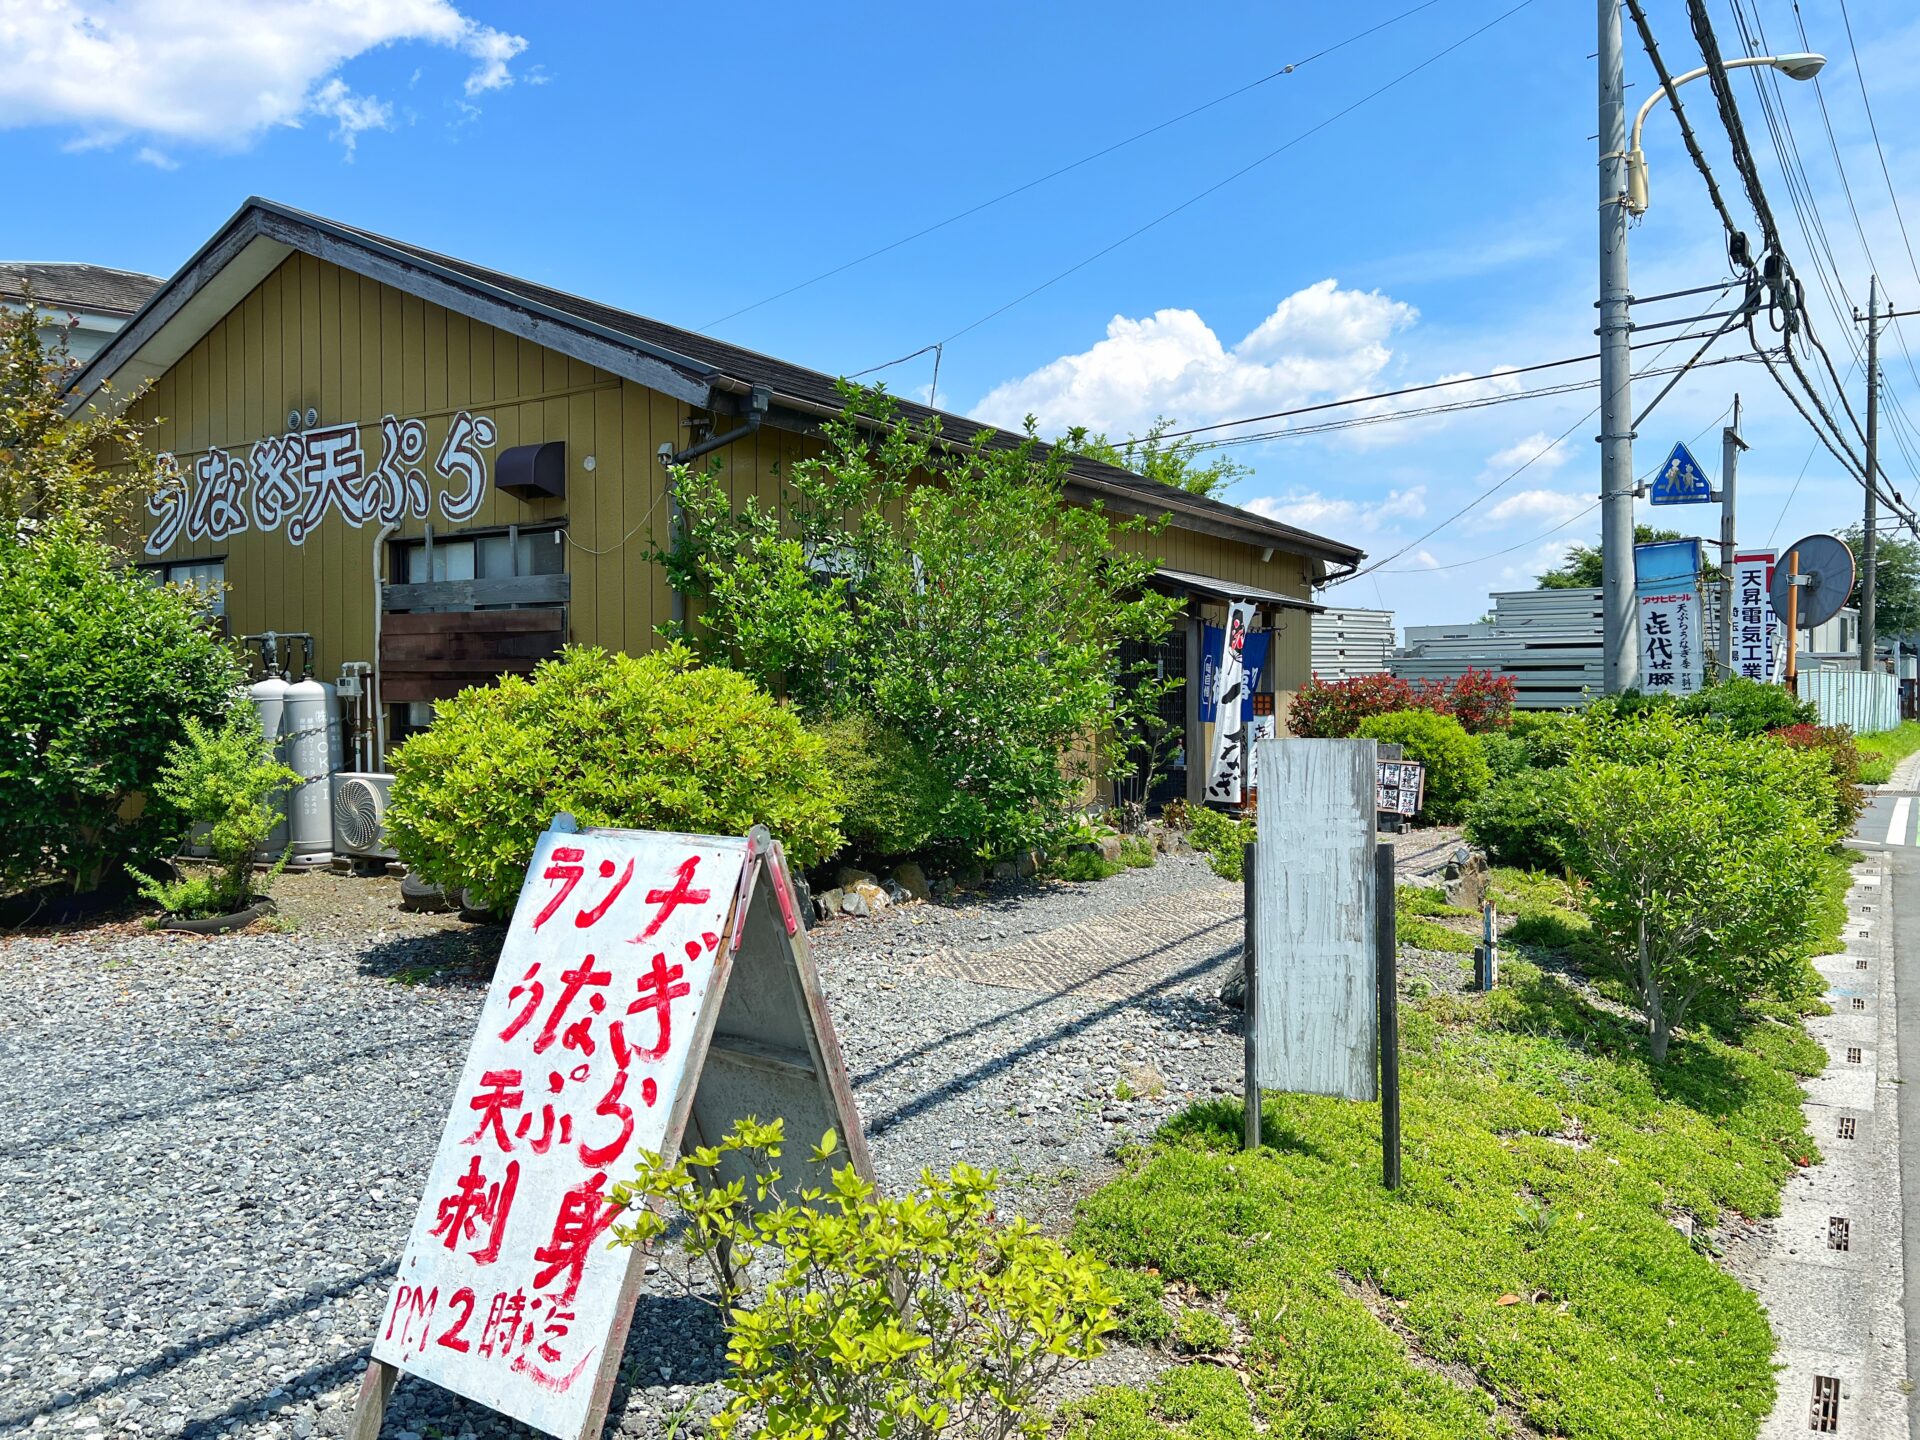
(379, 603)
(759, 400)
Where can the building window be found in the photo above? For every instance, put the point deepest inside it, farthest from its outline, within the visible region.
(482, 557)
(209, 577)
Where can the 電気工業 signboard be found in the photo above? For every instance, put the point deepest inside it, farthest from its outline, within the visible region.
(1756, 630)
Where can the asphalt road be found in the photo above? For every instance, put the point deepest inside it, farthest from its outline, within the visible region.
(1890, 822)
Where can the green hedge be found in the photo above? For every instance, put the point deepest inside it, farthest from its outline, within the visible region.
(1456, 765)
(654, 743)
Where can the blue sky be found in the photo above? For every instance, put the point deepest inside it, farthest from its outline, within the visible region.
(686, 163)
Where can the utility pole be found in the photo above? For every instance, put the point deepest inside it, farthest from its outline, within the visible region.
(1616, 402)
(1730, 447)
(1868, 538)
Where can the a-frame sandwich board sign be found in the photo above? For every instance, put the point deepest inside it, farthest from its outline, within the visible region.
(652, 988)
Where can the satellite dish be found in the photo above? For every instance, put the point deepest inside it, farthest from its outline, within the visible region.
(1826, 568)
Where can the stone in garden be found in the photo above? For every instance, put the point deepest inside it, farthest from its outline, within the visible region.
(1026, 864)
(852, 902)
(829, 903)
(1004, 870)
(912, 879)
(1109, 847)
(875, 897)
(851, 876)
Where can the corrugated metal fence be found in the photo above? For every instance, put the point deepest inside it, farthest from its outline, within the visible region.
(1864, 703)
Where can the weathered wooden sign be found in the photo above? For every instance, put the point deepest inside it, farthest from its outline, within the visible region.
(649, 984)
(1314, 923)
(1399, 786)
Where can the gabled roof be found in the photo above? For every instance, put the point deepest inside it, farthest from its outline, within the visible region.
(694, 368)
(61, 284)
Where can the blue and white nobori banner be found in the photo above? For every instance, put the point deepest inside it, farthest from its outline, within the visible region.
(1231, 672)
(1667, 598)
(1681, 481)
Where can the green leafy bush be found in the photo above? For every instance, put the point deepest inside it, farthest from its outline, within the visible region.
(913, 1318)
(1506, 754)
(1748, 707)
(99, 672)
(1082, 866)
(1137, 851)
(1221, 838)
(1522, 820)
(1202, 1332)
(894, 795)
(226, 779)
(655, 743)
(1142, 1318)
(1835, 742)
(1456, 768)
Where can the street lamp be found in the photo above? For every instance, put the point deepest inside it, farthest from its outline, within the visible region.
(1623, 192)
(1801, 66)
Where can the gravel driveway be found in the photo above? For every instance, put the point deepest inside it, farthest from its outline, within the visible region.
(218, 1143)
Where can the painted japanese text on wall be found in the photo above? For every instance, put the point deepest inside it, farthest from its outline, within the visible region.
(1756, 631)
(507, 1291)
(296, 480)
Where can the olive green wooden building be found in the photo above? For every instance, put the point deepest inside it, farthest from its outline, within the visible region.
(366, 431)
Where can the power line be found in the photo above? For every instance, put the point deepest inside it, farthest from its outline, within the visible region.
(1071, 166)
(1200, 195)
(1499, 374)
(1555, 530)
(1873, 127)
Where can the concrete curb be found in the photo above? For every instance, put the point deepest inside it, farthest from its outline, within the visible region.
(1837, 1312)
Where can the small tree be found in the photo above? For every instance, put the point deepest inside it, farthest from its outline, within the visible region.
(82, 468)
(916, 1317)
(1171, 462)
(226, 778)
(952, 593)
(1695, 885)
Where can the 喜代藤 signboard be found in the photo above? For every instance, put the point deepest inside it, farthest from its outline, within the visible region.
(1756, 630)
(647, 981)
(1398, 787)
(1667, 598)
(1315, 1001)
(1681, 481)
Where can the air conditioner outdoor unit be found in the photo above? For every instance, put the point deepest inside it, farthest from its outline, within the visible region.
(360, 815)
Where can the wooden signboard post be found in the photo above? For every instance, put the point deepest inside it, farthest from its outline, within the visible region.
(651, 987)
(1321, 951)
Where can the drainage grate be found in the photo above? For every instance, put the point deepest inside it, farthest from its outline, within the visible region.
(1825, 1416)
(1853, 1055)
(1859, 964)
(1846, 1127)
(1858, 1003)
(1838, 1232)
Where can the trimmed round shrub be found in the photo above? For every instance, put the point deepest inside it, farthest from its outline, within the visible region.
(100, 670)
(1521, 819)
(658, 742)
(893, 793)
(1456, 768)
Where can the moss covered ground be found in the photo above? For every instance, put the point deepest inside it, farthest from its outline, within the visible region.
(1529, 1276)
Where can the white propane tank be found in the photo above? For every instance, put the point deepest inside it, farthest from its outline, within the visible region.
(312, 730)
(269, 696)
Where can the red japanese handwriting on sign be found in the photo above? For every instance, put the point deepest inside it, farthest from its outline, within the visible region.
(507, 1288)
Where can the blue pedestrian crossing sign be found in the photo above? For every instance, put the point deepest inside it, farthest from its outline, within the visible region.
(1681, 481)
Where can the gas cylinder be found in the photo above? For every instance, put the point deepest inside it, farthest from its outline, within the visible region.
(269, 697)
(312, 739)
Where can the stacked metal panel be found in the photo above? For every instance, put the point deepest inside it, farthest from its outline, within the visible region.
(1547, 641)
(1348, 643)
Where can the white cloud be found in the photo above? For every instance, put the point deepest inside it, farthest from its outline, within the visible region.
(218, 72)
(1534, 448)
(1537, 507)
(1311, 510)
(1320, 341)
(159, 159)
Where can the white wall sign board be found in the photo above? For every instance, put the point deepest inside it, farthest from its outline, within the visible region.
(1672, 650)
(648, 982)
(1756, 630)
(1315, 1001)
